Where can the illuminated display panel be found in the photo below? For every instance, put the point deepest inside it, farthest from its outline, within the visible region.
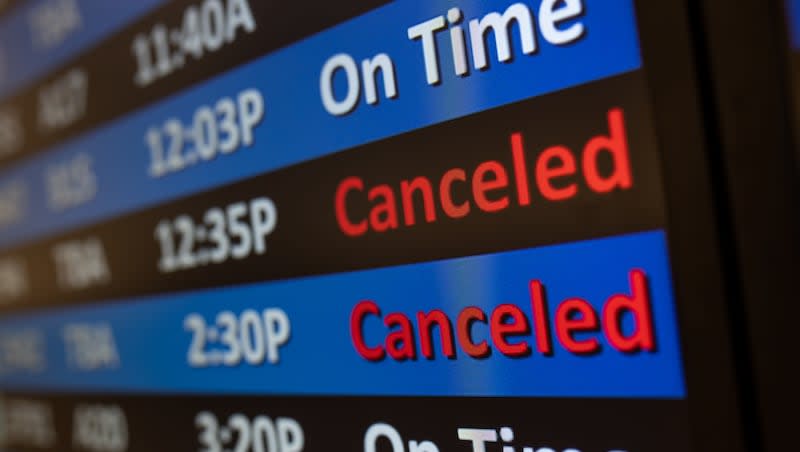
(446, 221)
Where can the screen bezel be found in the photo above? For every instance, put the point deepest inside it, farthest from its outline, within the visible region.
(757, 162)
(712, 361)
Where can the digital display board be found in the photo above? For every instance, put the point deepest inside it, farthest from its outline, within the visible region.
(358, 225)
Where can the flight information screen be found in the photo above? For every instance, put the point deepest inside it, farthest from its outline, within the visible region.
(241, 225)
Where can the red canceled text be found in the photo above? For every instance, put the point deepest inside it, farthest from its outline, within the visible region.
(624, 321)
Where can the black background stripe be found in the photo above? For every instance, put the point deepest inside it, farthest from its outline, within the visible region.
(307, 240)
(339, 423)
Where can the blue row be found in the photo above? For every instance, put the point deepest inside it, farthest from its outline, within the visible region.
(25, 58)
(296, 127)
(793, 15)
(320, 357)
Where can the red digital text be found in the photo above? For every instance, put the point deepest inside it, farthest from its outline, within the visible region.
(624, 321)
(492, 186)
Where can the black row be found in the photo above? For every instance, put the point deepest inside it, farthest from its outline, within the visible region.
(569, 166)
(380, 424)
(173, 47)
